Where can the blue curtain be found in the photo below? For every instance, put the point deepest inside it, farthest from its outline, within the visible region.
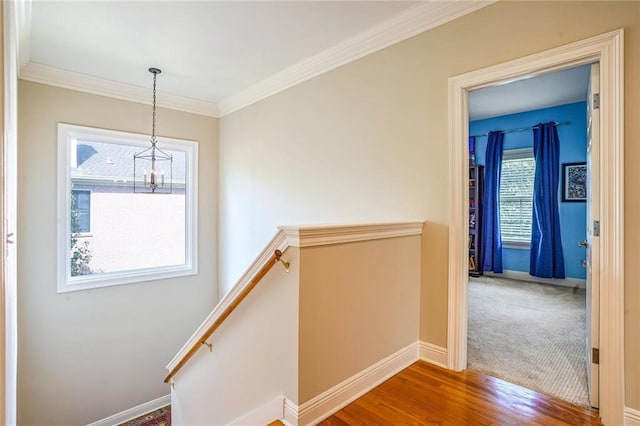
(472, 150)
(491, 236)
(547, 259)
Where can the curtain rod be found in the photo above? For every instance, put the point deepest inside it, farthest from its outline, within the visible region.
(521, 129)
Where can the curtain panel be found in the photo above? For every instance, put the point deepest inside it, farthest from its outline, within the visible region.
(491, 235)
(547, 257)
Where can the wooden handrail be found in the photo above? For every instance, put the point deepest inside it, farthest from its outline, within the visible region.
(275, 258)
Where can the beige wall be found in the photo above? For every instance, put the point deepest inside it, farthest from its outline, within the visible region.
(254, 358)
(368, 142)
(87, 355)
(434, 295)
(359, 303)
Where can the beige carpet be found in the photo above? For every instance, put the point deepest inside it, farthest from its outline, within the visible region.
(529, 334)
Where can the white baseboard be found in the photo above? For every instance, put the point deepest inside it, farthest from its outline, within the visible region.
(264, 414)
(332, 400)
(290, 413)
(433, 354)
(631, 417)
(524, 276)
(134, 412)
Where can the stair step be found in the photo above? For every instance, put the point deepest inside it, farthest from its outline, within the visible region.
(276, 423)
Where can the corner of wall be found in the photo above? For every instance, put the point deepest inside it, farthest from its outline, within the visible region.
(434, 283)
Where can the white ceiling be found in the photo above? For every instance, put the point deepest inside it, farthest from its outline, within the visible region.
(206, 50)
(547, 90)
(215, 56)
(219, 56)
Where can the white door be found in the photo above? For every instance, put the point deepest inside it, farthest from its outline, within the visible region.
(592, 243)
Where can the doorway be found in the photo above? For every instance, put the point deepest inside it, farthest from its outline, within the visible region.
(607, 50)
(522, 328)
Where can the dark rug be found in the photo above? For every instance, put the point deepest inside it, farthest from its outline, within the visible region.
(160, 417)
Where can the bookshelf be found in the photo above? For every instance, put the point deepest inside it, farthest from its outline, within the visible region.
(476, 176)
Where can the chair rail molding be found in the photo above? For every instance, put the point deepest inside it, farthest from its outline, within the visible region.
(608, 50)
(318, 235)
(291, 236)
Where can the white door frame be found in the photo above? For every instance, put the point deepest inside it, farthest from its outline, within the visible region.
(607, 49)
(8, 213)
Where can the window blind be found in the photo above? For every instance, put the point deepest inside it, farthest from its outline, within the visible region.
(516, 195)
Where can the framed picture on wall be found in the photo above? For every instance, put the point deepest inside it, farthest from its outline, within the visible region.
(574, 182)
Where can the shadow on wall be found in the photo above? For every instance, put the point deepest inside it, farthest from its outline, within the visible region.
(434, 283)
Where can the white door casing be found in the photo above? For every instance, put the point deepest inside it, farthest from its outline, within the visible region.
(8, 192)
(593, 241)
(606, 49)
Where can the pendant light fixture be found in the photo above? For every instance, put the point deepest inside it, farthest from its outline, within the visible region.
(153, 168)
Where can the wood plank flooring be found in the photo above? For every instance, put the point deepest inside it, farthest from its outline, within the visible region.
(424, 394)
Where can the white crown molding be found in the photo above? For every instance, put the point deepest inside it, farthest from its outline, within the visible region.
(412, 21)
(45, 74)
(409, 23)
(309, 236)
(134, 412)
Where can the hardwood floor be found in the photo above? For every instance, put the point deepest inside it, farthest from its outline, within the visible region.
(424, 394)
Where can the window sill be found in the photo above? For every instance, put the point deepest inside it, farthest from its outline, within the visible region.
(87, 282)
(83, 235)
(517, 245)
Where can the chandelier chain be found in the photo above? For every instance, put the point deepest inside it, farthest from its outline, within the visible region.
(156, 165)
(153, 125)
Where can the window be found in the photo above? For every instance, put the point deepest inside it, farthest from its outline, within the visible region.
(80, 211)
(108, 235)
(516, 195)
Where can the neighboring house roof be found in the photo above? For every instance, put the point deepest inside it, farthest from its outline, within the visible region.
(100, 161)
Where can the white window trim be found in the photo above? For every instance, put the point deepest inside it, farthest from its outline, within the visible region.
(516, 154)
(66, 283)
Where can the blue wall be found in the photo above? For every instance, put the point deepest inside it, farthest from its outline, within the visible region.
(573, 149)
